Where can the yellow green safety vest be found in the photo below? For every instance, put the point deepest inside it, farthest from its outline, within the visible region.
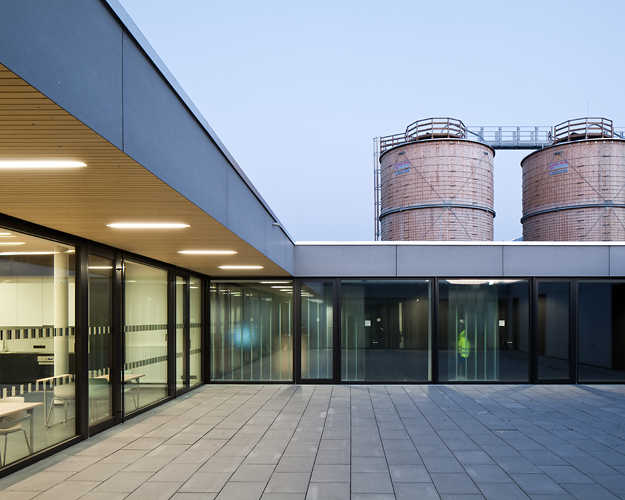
(464, 346)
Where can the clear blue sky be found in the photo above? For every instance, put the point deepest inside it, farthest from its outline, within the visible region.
(298, 90)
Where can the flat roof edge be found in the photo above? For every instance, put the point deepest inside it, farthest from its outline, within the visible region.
(136, 33)
(459, 243)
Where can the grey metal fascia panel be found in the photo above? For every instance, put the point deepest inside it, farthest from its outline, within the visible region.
(557, 260)
(243, 215)
(71, 52)
(277, 246)
(151, 54)
(449, 260)
(617, 261)
(163, 136)
(345, 260)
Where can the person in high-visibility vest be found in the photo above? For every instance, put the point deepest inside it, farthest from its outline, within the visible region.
(464, 349)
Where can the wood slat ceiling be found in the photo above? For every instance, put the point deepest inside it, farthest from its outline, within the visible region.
(112, 188)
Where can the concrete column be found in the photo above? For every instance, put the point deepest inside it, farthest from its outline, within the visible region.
(61, 310)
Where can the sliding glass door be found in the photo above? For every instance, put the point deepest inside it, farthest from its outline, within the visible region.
(317, 331)
(145, 335)
(553, 333)
(101, 272)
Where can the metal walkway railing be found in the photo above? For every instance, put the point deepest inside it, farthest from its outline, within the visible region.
(512, 137)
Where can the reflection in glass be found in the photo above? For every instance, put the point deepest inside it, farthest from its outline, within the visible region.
(317, 330)
(180, 333)
(37, 339)
(385, 330)
(251, 330)
(100, 338)
(145, 329)
(601, 331)
(484, 330)
(195, 344)
(553, 330)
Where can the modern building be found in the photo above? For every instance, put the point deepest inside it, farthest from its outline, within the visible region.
(138, 261)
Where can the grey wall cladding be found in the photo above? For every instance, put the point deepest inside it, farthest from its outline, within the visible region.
(70, 51)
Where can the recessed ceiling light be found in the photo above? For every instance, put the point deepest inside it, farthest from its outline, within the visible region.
(99, 267)
(5, 234)
(146, 225)
(240, 267)
(42, 164)
(27, 253)
(208, 252)
(273, 282)
(12, 243)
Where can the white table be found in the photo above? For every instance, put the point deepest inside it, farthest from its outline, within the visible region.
(9, 407)
(128, 377)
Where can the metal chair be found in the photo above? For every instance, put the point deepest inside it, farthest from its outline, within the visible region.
(129, 388)
(99, 392)
(5, 431)
(65, 393)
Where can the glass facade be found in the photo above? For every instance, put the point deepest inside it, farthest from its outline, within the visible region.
(385, 330)
(37, 336)
(601, 330)
(145, 331)
(250, 332)
(317, 330)
(484, 330)
(388, 330)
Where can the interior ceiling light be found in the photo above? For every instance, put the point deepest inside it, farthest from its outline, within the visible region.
(27, 253)
(274, 282)
(99, 267)
(12, 243)
(208, 252)
(147, 225)
(240, 267)
(5, 234)
(41, 164)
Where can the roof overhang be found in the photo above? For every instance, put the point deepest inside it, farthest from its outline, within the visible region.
(112, 188)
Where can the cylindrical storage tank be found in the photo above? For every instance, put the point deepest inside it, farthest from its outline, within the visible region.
(437, 189)
(575, 189)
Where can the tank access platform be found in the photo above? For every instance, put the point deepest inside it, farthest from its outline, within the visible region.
(504, 137)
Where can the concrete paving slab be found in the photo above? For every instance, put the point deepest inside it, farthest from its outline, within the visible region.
(360, 442)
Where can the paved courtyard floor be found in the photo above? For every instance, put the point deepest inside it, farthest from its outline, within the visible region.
(294, 442)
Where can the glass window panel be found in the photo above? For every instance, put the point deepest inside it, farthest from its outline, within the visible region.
(180, 333)
(601, 330)
(484, 330)
(385, 330)
(100, 338)
(316, 330)
(37, 319)
(553, 330)
(145, 329)
(251, 330)
(195, 343)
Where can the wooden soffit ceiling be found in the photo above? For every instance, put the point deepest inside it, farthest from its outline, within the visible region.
(112, 188)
